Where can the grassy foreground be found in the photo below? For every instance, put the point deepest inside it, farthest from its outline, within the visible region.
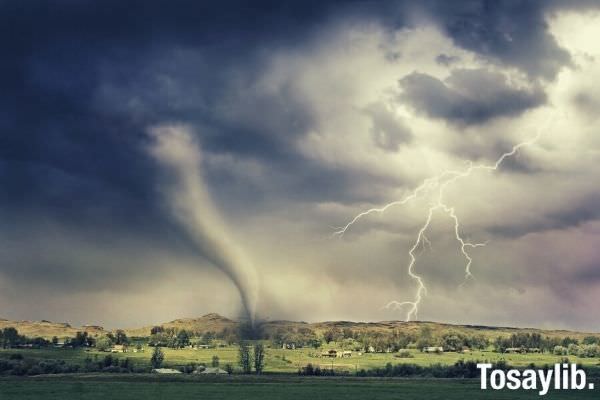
(91, 387)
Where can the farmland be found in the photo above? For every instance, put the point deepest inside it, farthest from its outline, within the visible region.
(291, 345)
(289, 361)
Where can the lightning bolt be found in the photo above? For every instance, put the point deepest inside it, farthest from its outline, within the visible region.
(439, 183)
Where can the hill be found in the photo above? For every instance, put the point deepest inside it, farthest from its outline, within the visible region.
(207, 323)
(216, 323)
(49, 329)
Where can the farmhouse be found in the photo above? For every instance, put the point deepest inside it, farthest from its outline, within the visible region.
(433, 349)
(515, 350)
(119, 348)
(330, 353)
(213, 371)
(165, 371)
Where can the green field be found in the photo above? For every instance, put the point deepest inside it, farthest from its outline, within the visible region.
(279, 381)
(278, 360)
(145, 386)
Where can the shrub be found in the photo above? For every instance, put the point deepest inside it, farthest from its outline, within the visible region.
(404, 354)
(560, 351)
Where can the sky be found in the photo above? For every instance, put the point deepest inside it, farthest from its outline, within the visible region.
(162, 159)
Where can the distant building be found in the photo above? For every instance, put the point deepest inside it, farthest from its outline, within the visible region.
(515, 350)
(330, 353)
(213, 371)
(165, 371)
(119, 348)
(346, 354)
(433, 349)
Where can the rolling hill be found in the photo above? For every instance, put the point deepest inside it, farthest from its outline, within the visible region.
(49, 329)
(216, 323)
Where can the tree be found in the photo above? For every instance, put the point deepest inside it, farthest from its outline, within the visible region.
(452, 341)
(215, 361)
(259, 358)
(54, 340)
(244, 358)
(348, 333)
(159, 339)
(121, 337)
(332, 335)
(156, 329)
(208, 337)
(591, 340)
(183, 339)
(103, 343)
(80, 339)
(157, 358)
(425, 337)
(10, 337)
(229, 368)
(478, 342)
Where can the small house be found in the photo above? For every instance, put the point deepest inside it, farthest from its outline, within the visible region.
(346, 354)
(213, 371)
(119, 348)
(330, 353)
(513, 350)
(165, 371)
(433, 349)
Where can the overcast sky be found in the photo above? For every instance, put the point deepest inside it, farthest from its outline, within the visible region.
(142, 141)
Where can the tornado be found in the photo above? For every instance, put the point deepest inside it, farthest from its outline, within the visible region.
(190, 203)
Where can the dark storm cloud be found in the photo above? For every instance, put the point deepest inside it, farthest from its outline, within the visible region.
(67, 136)
(468, 97)
(79, 78)
(81, 82)
(512, 32)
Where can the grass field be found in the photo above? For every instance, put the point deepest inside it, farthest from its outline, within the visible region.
(110, 386)
(278, 360)
(279, 381)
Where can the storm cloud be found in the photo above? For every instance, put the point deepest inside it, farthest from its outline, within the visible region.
(468, 96)
(306, 116)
